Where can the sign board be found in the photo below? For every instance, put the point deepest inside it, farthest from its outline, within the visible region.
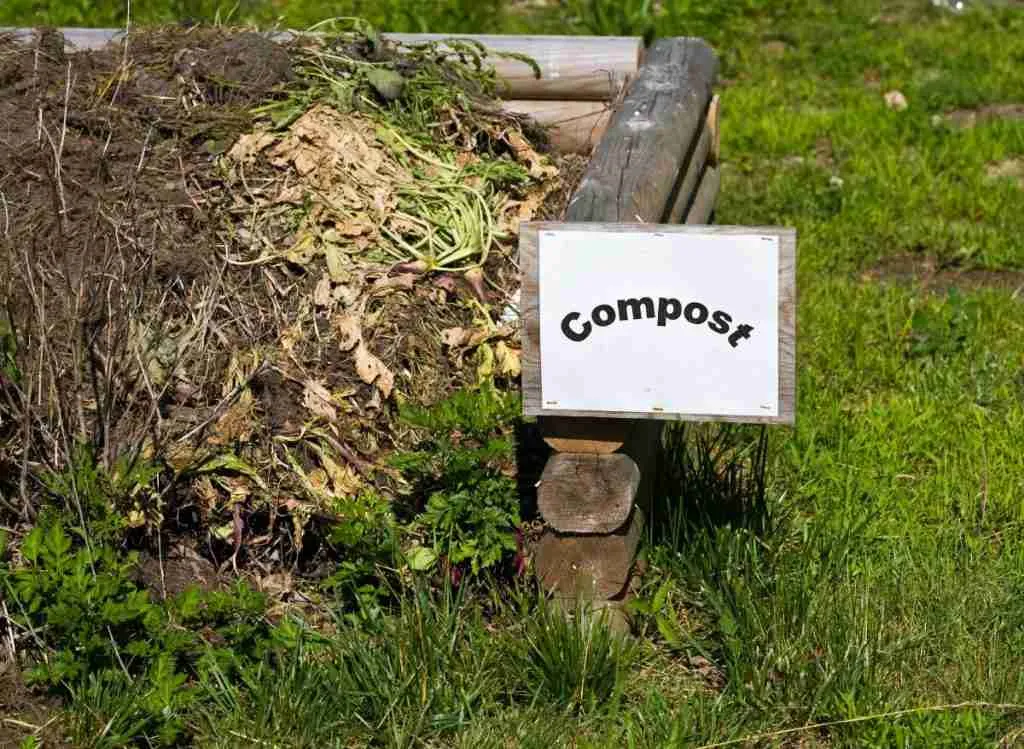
(666, 322)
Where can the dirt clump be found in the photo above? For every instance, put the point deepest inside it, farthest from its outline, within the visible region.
(24, 713)
(931, 274)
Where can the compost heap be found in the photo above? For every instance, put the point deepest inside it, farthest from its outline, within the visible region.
(225, 260)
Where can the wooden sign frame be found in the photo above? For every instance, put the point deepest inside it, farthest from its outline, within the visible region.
(529, 238)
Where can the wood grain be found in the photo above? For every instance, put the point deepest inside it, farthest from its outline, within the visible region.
(594, 567)
(690, 180)
(587, 493)
(594, 68)
(706, 198)
(572, 126)
(714, 126)
(589, 436)
(530, 312)
(634, 169)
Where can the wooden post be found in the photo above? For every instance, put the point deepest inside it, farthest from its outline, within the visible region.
(645, 169)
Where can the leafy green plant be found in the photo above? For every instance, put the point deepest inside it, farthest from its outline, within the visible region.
(463, 470)
(102, 642)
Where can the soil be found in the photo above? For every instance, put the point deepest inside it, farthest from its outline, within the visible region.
(24, 713)
(968, 118)
(927, 272)
(158, 248)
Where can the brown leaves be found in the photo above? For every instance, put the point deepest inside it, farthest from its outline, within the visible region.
(372, 371)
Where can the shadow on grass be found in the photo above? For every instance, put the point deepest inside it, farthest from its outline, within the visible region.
(710, 476)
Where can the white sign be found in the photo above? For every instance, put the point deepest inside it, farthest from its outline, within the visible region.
(663, 321)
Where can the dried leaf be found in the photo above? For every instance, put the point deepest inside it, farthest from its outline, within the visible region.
(248, 146)
(373, 371)
(348, 330)
(322, 296)
(344, 481)
(453, 337)
(336, 262)
(317, 399)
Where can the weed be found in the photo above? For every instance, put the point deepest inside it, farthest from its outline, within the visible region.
(471, 508)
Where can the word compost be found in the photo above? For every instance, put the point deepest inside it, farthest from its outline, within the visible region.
(666, 310)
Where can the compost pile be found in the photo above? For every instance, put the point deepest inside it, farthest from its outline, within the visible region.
(226, 260)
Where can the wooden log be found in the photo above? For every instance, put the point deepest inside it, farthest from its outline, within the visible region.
(592, 68)
(581, 493)
(687, 187)
(714, 127)
(612, 612)
(706, 198)
(633, 171)
(590, 436)
(593, 567)
(573, 126)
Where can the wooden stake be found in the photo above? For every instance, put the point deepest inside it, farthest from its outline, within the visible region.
(706, 198)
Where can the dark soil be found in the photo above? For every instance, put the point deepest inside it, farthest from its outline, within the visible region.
(24, 713)
(129, 271)
(929, 273)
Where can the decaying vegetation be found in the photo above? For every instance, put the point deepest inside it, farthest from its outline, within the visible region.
(227, 261)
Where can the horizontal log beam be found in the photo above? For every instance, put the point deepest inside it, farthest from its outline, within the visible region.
(593, 68)
(573, 126)
(587, 493)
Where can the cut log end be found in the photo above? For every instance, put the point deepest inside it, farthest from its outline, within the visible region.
(588, 493)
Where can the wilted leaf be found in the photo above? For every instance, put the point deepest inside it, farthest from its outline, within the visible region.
(507, 360)
(231, 462)
(317, 399)
(336, 261)
(373, 371)
(348, 330)
(388, 83)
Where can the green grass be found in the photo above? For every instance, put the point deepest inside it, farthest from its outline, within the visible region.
(891, 575)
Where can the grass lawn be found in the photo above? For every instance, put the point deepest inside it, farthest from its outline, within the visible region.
(885, 577)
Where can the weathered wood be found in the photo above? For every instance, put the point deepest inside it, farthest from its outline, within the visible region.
(530, 311)
(591, 68)
(572, 126)
(714, 126)
(706, 198)
(592, 567)
(633, 171)
(594, 68)
(590, 436)
(612, 612)
(581, 493)
(690, 178)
